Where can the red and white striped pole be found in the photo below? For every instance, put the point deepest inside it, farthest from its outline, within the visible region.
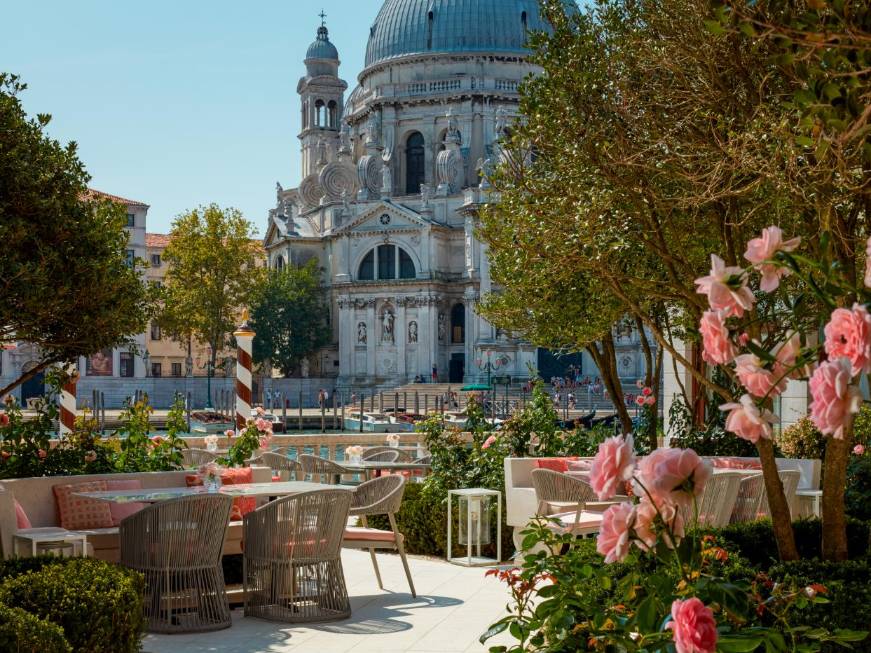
(244, 377)
(68, 409)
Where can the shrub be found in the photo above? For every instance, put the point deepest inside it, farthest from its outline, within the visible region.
(802, 440)
(97, 604)
(23, 632)
(858, 492)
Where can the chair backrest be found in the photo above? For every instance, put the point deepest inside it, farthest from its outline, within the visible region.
(279, 463)
(426, 460)
(302, 527)
(401, 456)
(184, 533)
(751, 491)
(380, 496)
(197, 457)
(321, 469)
(383, 456)
(555, 487)
(717, 502)
(790, 479)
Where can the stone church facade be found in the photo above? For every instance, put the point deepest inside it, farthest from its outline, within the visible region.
(392, 180)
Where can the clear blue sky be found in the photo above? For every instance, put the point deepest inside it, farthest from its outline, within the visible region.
(178, 103)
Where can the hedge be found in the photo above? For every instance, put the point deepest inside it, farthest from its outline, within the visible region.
(23, 632)
(97, 604)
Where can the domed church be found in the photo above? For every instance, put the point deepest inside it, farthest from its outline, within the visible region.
(393, 176)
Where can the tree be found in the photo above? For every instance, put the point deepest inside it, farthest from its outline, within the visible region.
(289, 316)
(65, 284)
(212, 275)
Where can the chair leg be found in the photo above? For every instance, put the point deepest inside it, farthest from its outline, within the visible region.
(400, 544)
(377, 572)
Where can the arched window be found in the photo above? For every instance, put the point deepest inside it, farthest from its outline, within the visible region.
(415, 175)
(429, 22)
(279, 263)
(333, 113)
(320, 113)
(386, 263)
(458, 324)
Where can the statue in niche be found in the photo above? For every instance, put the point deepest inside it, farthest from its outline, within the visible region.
(412, 332)
(373, 127)
(501, 121)
(361, 333)
(484, 167)
(322, 152)
(442, 326)
(387, 326)
(304, 368)
(346, 204)
(386, 172)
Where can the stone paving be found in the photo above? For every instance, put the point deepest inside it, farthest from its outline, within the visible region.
(453, 607)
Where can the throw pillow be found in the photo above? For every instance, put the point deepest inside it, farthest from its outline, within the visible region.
(78, 513)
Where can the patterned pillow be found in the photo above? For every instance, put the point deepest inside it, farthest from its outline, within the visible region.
(121, 511)
(555, 464)
(21, 518)
(77, 513)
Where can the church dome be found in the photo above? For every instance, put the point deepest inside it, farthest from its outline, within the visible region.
(405, 27)
(322, 48)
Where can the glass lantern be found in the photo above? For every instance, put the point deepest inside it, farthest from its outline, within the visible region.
(473, 519)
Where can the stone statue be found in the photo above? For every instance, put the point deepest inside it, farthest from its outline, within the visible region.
(322, 152)
(501, 121)
(412, 332)
(345, 140)
(373, 127)
(387, 327)
(346, 204)
(442, 326)
(453, 134)
(484, 167)
(425, 195)
(304, 368)
(361, 333)
(386, 173)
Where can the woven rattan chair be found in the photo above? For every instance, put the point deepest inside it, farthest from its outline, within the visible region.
(292, 563)
(287, 469)
(383, 456)
(717, 502)
(321, 470)
(197, 457)
(177, 546)
(751, 490)
(556, 492)
(790, 479)
(380, 496)
(401, 456)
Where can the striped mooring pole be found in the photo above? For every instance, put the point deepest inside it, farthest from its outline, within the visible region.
(244, 378)
(68, 402)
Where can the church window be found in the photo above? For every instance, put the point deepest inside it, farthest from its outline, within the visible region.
(367, 267)
(458, 324)
(406, 265)
(414, 163)
(320, 113)
(386, 263)
(333, 114)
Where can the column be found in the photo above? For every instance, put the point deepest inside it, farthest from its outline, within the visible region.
(347, 329)
(424, 336)
(67, 421)
(401, 336)
(372, 337)
(244, 364)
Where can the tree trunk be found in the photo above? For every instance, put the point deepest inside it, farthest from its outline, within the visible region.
(652, 373)
(779, 508)
(656, 384)
(834, 483)
(24, 378)
(606, 361)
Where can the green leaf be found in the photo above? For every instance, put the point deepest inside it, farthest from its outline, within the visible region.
(492, 631)
(738, 644)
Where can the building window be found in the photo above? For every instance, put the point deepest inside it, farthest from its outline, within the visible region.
(415, 174)
(131, 258)
(126, 364)
(155, 260)
(458, 324)
(320, 113)
(131, 219)
(156, 370)
(155, 331)
(389, 262)
(176, 369)
(333, 114)
(279, 263)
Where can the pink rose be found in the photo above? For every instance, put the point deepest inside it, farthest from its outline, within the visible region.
(859, 450)
(613, 465)
(488, 442)
(647, 392)
(758, 381)
(726, 288)
(694, 627)
(834, 398)
(262, 424)
(229, 433)
(639, 400)
(650, 401)
(786, 355)
(717, 349)
(614, 536)
(747, 421)
(868, 264)
(848, 335)
(743, 338)
(760, 250)
(673, 475)
(648, 521)
(41, 454)
(639, 384)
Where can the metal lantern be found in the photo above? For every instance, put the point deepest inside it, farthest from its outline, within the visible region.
(473, 507)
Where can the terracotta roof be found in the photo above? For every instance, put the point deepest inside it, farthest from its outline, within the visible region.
(93, 193)
(156, 240)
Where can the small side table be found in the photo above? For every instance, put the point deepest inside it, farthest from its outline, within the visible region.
(474, 505)
(51, 540)
(812, 499)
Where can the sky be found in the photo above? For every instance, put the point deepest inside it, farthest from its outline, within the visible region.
(178, 103)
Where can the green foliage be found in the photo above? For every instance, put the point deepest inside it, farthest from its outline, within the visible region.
(246, 442)
(97, 604)
(68, 288)
(289, 316)
(23, 632)
(713, 440)
(862, 426)
(138, 450)
(802, 440)
(858, 493)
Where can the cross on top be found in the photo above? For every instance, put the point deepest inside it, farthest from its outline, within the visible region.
(323, 16)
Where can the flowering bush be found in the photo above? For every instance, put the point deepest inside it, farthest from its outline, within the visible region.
(257, 434)
(802, 440)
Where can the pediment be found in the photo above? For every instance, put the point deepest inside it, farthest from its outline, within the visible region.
(385, 215)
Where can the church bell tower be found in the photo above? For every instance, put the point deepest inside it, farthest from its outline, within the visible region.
(321, 94)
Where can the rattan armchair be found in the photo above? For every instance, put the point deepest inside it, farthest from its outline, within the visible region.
(177, 546)
(751, 490)
(717, 502)
(556, 492)
(790, 479)
(369, 453)
(292, 562)
(380, 496)
(322, 470)
(383, 456)
(197, 457)
(286, 468)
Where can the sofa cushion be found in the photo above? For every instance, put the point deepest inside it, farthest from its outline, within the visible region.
(555, 464)
(359, 533)
(234, 476)
(121, 511)
(21, 518)
(78, 513)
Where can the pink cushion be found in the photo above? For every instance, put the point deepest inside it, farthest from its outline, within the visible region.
(580, 465)
(235, 476)
(725, 462)
(77, 513)
(555, 464)
(124, 510)
(587, 520)
(358, 533)
(21, 518)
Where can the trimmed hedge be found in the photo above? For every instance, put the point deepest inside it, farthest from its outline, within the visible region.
(23, 632)
(97, 604)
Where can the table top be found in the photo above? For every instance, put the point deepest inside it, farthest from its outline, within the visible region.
(475, 492)
(153, 495)
(365, 465)
(48, 534)
(807, 492)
